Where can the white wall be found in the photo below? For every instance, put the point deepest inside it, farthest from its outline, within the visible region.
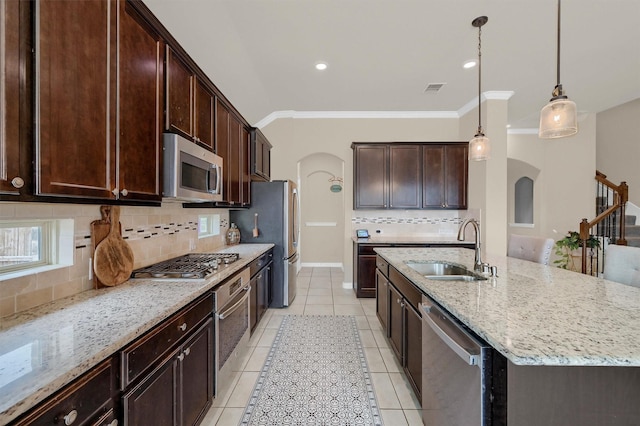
(618, 146)
(564, 188)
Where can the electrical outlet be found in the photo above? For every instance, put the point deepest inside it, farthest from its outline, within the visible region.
(192, 244)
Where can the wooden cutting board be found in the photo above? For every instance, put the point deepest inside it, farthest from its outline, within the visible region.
(113, 258)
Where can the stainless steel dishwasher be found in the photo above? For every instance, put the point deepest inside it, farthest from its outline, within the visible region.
(456, 372)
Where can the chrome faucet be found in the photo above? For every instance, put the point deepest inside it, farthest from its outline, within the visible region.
(477, 263)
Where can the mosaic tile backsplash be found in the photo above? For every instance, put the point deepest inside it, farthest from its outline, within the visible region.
(410, 222)
(154, 234)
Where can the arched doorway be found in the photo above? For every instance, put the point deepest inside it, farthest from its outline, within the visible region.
(321, 210)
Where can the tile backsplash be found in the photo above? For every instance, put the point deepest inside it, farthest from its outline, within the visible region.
(410, 222)
(154, 234)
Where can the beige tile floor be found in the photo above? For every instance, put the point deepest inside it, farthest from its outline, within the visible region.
(321, 292)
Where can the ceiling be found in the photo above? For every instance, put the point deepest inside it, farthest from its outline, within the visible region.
(382, 54)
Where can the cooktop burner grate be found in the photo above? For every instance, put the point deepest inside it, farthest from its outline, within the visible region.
(188, 266)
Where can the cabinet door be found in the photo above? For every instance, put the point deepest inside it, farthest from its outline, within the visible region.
(382, 300)
(433, 172)
(456, 168)
(140, 99)
(179, 95)
(371, 189)
(204, 105)
(366, 286)
(413, 349)
(253, 303)
(196, 374)
(9, 96)
(395, 325)
(154, 401)
(405, 177)
(75, 71)
(234, 165)
(263, 292)
(245, 172)
(222, 143)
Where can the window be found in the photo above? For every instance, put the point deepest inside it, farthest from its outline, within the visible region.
(524, 201)
(35, 245)
(208, 225)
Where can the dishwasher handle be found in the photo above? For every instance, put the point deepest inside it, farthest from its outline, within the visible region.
(457, 336)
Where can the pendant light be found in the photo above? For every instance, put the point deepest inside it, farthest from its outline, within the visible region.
(479, 146)
(558, 118)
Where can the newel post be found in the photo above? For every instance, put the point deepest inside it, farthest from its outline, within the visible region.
(584, 236)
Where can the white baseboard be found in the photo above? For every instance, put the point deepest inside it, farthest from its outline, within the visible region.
(321, 265)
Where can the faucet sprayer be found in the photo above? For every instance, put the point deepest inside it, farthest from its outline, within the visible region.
(477, 263)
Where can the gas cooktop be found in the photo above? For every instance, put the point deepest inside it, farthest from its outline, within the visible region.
(188, 266)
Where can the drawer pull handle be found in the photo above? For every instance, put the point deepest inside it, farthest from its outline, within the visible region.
(183, 327)
(114, 422)
(181, 357)
(187, 351)
(71, 417)
(398, 301)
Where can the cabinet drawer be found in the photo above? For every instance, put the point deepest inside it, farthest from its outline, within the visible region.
(382, 265)
(144, 352)
(259, 263)
(408, 290)
(84, 401)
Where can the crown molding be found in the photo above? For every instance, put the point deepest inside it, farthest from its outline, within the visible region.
(490, 95)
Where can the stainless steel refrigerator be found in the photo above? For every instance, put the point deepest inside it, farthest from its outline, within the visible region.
(276, 204)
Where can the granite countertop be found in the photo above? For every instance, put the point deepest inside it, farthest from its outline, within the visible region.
(47, 347)
(410, 239)
(535, 314)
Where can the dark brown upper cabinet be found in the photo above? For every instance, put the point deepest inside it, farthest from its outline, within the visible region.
(11, 181)
(99, 117)
(190, 102)
(233, 144)
(371, 176)
(410, 175)
(261, 156)
(445, 176)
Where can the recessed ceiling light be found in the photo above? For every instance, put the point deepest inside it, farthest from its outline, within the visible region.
(469, 64)
(321, 66)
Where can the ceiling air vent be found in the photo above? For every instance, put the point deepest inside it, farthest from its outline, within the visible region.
(434, 88)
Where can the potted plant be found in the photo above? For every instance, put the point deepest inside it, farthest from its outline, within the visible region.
(566, 250)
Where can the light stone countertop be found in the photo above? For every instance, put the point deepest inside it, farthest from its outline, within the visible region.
(45, 348)
(535, 314)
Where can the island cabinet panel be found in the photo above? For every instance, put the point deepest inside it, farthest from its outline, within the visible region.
(405, 176)
(179, 94)
(397, 306)
(10, 98)
(88, 400)
(445, 169)
(371, 169)
(99, 73)
(410, 175)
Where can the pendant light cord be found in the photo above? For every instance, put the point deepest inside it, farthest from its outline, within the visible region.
(558, 58)
(479, 80)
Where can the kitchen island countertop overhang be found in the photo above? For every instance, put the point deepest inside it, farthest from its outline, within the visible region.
(535, 314)
(45, 348)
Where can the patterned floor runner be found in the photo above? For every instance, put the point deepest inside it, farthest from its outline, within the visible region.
(315, 374)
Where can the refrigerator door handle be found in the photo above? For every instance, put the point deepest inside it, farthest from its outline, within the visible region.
(295, 217)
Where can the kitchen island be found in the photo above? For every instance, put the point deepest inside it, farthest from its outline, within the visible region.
(45, 348)
(567, 344)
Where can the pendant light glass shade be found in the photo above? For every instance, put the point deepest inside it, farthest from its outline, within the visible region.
(479, 148)
(558, 118)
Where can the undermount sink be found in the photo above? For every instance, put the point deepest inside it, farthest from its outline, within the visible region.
(444, 271)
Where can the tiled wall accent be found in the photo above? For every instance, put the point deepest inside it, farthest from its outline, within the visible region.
(154, 234)
(410, 222)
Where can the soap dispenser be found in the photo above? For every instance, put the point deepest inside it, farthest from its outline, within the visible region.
(233, 235)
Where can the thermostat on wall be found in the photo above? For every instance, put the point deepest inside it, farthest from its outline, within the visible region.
(362, 233)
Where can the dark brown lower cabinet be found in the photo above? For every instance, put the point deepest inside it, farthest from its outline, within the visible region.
(402, 322)
(180, 390)
(88, 400)
(261, 292)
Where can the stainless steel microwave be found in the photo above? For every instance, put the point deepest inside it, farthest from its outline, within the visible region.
(191, 173)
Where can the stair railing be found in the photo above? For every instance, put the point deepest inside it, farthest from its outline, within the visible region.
(611, 198)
